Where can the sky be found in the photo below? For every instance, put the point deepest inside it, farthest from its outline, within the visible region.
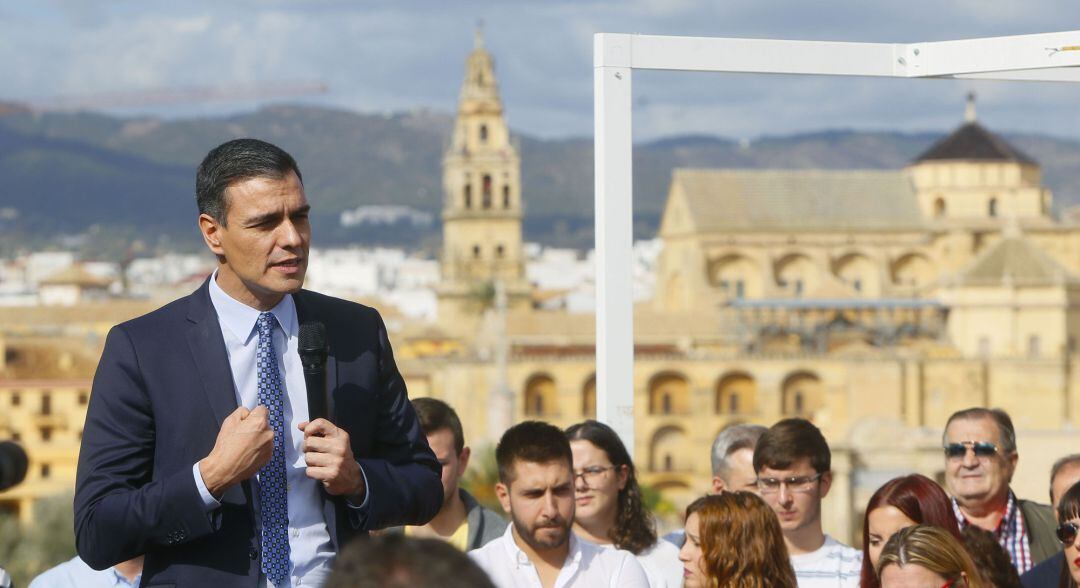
(392, 56)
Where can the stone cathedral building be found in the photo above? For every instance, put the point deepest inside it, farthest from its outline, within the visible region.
(873, 302)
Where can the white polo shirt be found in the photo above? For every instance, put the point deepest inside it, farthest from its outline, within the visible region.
(587, 565)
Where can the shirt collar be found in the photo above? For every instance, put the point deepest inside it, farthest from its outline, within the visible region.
(520, 558)
(119, 579)
(1009, 518)
(240, 318)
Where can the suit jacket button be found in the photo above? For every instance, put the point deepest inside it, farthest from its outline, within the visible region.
(252, 553)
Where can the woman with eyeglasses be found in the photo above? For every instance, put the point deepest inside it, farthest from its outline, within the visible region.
(923, 556)
(902, 502)
(1068, 513)
(733, 540)
(609, 509)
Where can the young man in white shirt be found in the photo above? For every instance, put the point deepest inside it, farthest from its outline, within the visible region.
(538, 549)
(793, 461)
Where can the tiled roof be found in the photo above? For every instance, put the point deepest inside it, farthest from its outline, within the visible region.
(973, 142)
(738, 199)
(1014, 260)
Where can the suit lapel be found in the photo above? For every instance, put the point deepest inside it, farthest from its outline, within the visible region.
(211, 359)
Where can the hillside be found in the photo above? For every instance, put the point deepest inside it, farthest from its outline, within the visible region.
(131, 178)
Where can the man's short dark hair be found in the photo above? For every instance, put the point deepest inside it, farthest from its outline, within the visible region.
(990, 558)
(396, 561)
(534, 442)
(1067, 461)
(789, 441)
(434, 414)
(1000, 417)
(236, 161)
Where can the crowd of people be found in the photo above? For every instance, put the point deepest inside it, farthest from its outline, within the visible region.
(577, 517)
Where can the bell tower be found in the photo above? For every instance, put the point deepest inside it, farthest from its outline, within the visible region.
(482, 205)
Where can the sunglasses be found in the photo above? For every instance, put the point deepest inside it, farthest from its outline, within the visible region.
(1066, 532)
(979, 448)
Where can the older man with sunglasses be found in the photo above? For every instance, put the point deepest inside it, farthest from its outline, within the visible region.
(980, 459)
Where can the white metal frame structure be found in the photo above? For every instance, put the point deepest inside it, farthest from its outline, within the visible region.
(1051, 57)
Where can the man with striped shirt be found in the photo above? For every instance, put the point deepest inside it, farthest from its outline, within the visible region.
(980, 459)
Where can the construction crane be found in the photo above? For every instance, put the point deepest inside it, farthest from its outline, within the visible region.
(167, 96)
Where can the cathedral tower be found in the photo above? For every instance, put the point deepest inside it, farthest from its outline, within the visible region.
(482, 208)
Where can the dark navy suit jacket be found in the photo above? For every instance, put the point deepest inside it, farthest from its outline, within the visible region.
(1047, 574)
(161, 391)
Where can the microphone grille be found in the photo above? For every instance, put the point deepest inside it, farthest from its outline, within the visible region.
(312, 335)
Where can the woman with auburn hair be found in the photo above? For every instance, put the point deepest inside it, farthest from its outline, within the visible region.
(902, 502)
(609, 508)
(733, 540)
(928, 556)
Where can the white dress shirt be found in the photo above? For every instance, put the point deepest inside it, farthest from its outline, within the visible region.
(74, 573)
(587, 565)
(661, 564)
(311, 551)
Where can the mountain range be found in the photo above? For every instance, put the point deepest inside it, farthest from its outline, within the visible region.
(103, 182)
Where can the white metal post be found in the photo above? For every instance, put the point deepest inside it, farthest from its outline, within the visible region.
(1046, 57)
(614, 236)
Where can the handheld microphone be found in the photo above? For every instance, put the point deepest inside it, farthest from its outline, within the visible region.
(312, 350)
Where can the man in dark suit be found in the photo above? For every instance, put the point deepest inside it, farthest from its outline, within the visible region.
(1063, 475)
(197, 450)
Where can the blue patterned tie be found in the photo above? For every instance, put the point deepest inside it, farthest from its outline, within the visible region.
(272, 492)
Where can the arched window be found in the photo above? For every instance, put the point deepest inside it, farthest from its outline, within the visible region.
(668, 450)
(796, 274)
(540, 396)
(476, 251)
(506, 196)
(737, 276)
(487, 191)
(991, 207)
(939, 207)
(913, 269)
(588, 398)
(500, 251)
(468, 195)
(483, 134)
(735, 394)
(802, 394)
(669, 393)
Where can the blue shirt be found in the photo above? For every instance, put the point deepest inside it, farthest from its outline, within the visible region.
(311, 550)
(74, 573)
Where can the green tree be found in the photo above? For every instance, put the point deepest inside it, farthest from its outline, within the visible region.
(26, 551)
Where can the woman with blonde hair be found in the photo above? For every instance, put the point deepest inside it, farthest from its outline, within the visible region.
(923, 556)
(734, 540)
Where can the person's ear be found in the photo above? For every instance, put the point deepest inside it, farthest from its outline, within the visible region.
(211, 233)
(718, 485)
(463, 460)
(826, 483)
(503, 494)
(622, 475)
